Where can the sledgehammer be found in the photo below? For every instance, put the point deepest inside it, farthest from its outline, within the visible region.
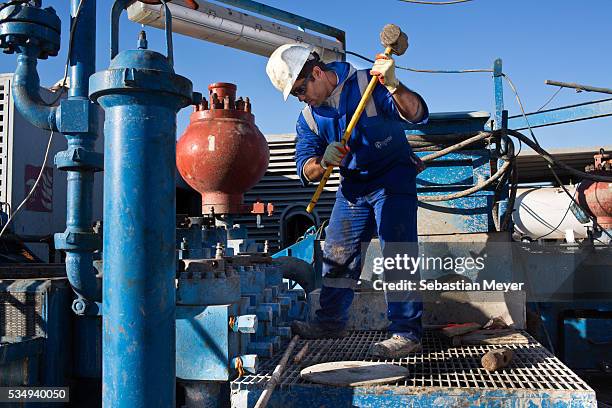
(395, 42)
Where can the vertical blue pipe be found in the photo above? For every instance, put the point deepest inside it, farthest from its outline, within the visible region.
(78, 239)
(499, 93)
(83, 56)
(139, 261)
(141, 95)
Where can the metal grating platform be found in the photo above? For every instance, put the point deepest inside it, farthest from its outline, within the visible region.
(441, 375)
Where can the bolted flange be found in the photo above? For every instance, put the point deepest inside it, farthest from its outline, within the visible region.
(26, 25)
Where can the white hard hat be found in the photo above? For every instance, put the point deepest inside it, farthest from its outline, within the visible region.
(285, 65)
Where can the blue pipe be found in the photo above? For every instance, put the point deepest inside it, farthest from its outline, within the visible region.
(83, 56)
(79, 212)
(139, 243)
(76, 120)
(26, 85)
(141, 95)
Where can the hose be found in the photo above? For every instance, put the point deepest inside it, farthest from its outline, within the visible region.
(298, 271)
(470, 190)
(483, 135)
(512, 198)
(457, 146)
(551, 160)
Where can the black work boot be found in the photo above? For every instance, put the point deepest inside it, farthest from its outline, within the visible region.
(313, 331)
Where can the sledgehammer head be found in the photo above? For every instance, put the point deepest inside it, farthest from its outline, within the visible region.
(392, 36)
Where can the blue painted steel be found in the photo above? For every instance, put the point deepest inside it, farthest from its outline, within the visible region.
(580, 331)
(35, 33)
(205, 344)
(498, 87)
(588, 341)
(455, 172)
(310, 395)
(78, 123)
(20, 348)
(207, 283)
(46, 308)
(87, 347)
(449, 123)
(565, 114)
(141, 95)
(32, 33)
(303, 249)
(287, 17)
(20, 361)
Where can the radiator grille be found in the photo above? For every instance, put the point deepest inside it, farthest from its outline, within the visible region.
(21, 314)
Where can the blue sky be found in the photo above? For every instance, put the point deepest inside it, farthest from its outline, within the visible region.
(563, 40)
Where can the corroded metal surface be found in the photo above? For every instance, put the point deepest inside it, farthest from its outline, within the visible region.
(440, 375)
(597, 196)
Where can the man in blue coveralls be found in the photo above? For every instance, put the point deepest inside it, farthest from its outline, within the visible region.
(377, 194)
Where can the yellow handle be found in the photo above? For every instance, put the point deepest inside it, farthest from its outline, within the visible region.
(347, 135)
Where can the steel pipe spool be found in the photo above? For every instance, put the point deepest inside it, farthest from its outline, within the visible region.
(222, 153)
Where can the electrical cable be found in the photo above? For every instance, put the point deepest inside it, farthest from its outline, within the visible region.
(319, 232)
(569, 207)
(550, 99)
(512, 198)
(520, 103)
(427, 71)
(436, 3)
(551, 160)
(25, 200)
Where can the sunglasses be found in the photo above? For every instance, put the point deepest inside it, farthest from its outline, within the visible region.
(301, 90)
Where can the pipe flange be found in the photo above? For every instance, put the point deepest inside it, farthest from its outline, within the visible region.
(79, 159)
(138, 80)
(24, 25)
(77, 241)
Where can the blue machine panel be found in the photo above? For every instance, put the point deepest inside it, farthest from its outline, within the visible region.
(205, 345)
(465, 168)
(588, 343)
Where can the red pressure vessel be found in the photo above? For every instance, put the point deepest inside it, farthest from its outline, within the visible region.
(597, 196)
(222, 154)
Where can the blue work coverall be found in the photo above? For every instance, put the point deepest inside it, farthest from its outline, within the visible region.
(377, 194)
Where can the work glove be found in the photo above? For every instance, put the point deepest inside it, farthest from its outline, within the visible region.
(419, 165)
(334, 153)
(384, 69)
